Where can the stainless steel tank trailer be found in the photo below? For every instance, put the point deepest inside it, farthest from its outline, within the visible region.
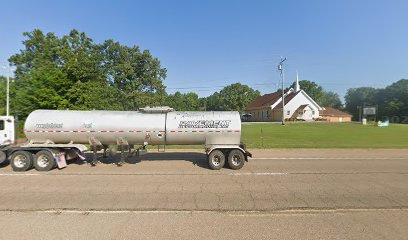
(55, 136)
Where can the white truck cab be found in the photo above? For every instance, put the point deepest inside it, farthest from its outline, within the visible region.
(7, 135)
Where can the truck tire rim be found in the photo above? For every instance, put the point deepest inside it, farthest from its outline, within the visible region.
(43, 161)
(216, 161)
(20, 161)
(236, 160)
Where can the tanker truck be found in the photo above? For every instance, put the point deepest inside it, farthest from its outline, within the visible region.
(55, 136)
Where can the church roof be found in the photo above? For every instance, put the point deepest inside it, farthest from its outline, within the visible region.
(288, 97)
(269, 99)
(265, 100)
(328, 111)
(274, 100)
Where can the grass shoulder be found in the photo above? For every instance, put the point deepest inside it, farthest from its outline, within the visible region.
(324, 135)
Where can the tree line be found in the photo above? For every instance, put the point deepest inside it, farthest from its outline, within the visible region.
(74, 72)
(317, 93)
(391, 101)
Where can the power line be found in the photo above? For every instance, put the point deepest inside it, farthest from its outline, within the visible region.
(219, 86)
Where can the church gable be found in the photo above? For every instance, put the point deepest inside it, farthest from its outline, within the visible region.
(298, 105)
(302, 102)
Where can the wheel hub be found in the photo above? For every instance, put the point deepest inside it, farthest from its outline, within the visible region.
(20, 161)
(216, 160)
(43, 161)
(236, 160)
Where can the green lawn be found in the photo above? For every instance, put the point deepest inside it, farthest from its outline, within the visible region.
(319, 135)
(324, 135)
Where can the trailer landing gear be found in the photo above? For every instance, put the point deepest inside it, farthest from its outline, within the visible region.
(94, 159)
(124, 154)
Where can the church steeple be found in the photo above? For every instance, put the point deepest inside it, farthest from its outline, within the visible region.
(297, 86)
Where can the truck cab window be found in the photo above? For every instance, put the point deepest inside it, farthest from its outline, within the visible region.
(1, 125)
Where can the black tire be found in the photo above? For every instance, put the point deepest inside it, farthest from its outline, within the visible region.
(44, 161)
(216, 160)
(21, 161)
(236, 159)
(3, 156)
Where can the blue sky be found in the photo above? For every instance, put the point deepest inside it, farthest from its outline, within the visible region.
(209, 44)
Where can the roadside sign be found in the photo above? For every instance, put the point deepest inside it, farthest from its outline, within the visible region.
(369, 110)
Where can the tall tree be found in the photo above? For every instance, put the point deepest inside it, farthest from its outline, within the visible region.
(357, 97)
(234, 97)
(39, 80)
(392, 101)
(330, 99)
(213, 102)
(55, 72)
(312, 89)
(202, 104)
(135, 73)
(183, 101)
(94, 95)
(3, 91)
(80, 58)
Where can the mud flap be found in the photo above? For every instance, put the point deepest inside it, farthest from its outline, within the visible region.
(247, 154)
(61, 161)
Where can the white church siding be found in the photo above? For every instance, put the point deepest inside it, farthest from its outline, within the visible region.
(312, 110)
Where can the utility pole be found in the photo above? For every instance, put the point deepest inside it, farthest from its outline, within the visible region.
(282, 73)
(8, 90)
(359, 114)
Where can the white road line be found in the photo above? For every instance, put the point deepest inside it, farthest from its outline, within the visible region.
(59, 211)
(189, 174)
(238, 213)
(20, 174)
(313, 211)
(328, 158)
(91, 174)
(257, 174)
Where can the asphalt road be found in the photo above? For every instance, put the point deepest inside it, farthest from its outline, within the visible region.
(290, 194)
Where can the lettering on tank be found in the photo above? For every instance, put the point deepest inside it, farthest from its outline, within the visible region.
(86, 125)
(205, 124)
(49, 125)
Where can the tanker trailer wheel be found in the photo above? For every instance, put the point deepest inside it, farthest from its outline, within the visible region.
(3, 156)
(216, 160)
(236, 159)
(21, 161)
(44, 161)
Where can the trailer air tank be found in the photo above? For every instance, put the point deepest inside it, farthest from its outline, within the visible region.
(155, 126)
